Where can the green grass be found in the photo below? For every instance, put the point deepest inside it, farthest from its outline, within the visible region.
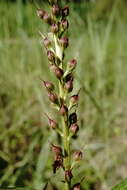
(100, 47)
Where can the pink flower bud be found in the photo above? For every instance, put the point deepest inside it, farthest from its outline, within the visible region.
(47, 42)
(56, 149)
(74, 99)
(72, 64)
(64, 24)
(68, 175)
(69, 86)
(63, 110)
(77, 187)
(51, 56)
(55, 10)
(65, 11)
(53, 124)
(49, 86)
(53, 98)
(78, 155)
(57, 71)
(40, 13)
(74, 128)
(47, 18)
(64, 42)
(54, 28)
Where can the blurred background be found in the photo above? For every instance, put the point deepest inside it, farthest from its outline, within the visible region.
(98, 39)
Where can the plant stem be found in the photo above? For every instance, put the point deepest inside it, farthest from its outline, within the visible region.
(66, 145)
(64, 119)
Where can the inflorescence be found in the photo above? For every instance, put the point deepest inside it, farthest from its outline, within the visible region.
(55, 43)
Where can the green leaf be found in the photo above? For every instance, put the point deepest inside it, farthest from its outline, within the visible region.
(121, 186)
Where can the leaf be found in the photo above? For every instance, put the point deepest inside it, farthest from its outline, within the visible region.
(121, 186)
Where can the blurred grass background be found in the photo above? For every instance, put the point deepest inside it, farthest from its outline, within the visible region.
(98, 39)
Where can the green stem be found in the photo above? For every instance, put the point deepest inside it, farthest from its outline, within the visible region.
(66, 146)
(64, 119)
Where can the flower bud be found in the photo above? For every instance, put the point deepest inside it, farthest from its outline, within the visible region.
(72, 64)
(77, 187)
(53, 124)
(68, 77)
(64, 42)
(53, 98)
(78, 155)
(73, 118)
(56, 149)
(74, 99)
(40, 13)
(47, 18)
(68, 175)
(49, 86)
(63, 110)
(47, 42)
(57, 163)
(69, 86)
(58, 71)
(65, 11)
(55, 10)
(64, 24)
(74, 128)
(51, 56)
(54, 28)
